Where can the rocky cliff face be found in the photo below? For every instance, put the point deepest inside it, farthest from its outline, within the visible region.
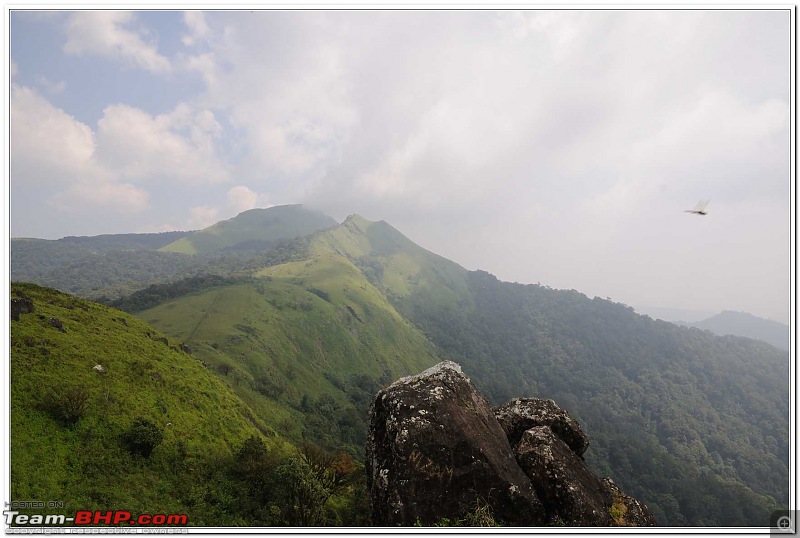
(437, 450)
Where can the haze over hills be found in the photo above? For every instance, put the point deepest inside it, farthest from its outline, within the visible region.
(305, 332)
(729, 322)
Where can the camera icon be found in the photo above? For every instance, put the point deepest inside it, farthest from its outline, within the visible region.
(783, 522)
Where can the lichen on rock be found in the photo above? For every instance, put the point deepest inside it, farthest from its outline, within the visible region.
(436, 448)
(522, 414)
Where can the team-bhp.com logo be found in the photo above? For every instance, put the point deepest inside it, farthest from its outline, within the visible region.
(88, 517)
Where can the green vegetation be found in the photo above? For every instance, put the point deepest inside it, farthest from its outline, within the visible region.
(143, 436)
(479, 516)
(694, 425)
(305, 344)
(108, 414)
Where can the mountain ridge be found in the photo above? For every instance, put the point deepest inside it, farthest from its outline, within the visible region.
(259, 226)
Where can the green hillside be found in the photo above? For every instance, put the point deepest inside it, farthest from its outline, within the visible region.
(390, 260)
(69, 421)
(109, 267)
(306, 344)
(256, 228)
(694, 425)
(109, 414)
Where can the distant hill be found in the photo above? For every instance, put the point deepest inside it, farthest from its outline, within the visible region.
(748, 325)
(254, 228)
(107, 267)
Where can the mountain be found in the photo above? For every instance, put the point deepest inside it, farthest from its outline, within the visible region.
(695, 425)
(108, 267)
(747, 325)
(701, 416)
(256, 228)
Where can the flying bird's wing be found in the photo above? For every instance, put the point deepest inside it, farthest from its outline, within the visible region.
(699, 209)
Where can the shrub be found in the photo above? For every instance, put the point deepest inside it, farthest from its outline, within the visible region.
(322, 294)
(68, 404)
(143, 436)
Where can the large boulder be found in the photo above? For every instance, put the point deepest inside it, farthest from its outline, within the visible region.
(570, 491)
(435, 450)
(521, 414)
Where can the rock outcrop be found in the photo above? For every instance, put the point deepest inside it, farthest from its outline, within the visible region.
(19, 306)
(566, 486)
(437, 450)
(521, 414)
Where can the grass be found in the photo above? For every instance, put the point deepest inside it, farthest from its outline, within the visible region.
(146, 375)
(314, 331)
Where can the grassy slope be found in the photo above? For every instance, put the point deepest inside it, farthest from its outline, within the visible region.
(263, 225)
(303, 337)
(398, 266)
(84, 464)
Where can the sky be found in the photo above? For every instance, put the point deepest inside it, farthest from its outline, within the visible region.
(558, 147)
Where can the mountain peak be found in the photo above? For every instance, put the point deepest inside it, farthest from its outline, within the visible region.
(254, 227)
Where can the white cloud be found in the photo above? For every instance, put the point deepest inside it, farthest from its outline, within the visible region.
(46, 142)
(109, 33)
(286, 94)
(205, 64)
(195, 22)
(14, 69)
(201, 217)
(560, 30)
(519, 132)
(121, 196)
(53, 153)
(78, 169)
(241, 198)
(178, 145)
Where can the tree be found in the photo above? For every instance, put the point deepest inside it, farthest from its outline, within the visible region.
(303, 496)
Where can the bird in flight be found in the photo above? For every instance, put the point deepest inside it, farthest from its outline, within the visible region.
(699, 209)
